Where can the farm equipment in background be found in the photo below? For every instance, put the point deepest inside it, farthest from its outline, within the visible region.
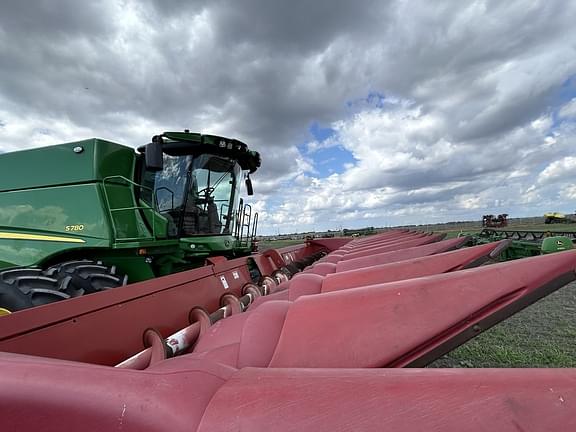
(491, 221)
(555, 217)
(85, 216)
(525, 243)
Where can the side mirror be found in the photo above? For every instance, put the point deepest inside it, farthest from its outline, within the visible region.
(153, 154)
(249, 188)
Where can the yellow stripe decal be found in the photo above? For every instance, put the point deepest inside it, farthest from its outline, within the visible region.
(18, 236)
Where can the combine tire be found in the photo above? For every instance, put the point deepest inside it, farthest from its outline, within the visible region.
(23, 288)
(26, 288)
(86, 277)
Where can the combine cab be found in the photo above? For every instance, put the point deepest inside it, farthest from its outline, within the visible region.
(92, 215)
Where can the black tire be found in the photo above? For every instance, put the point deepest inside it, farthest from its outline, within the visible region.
(86, 277)
(26, 288)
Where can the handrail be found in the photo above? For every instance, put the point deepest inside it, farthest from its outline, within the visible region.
(254, 226)
(111, 210)
(246, 214)
(237, 221)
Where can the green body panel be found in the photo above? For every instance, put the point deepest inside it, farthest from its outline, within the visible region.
(65, 212)
(521, 249)
(74, 211)
(146, 259)
(206, 245)
(158, 222)
(125, 213)
(62, 194)
(136, 268)
(556, 244)
(60, 165)
(32, 253)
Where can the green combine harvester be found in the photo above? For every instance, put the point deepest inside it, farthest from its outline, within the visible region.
(82, 217)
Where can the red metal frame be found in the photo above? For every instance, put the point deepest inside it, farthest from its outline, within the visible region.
(42, 394)
(106, 328)
(287, 365)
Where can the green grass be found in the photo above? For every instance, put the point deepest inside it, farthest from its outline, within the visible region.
(542, 335)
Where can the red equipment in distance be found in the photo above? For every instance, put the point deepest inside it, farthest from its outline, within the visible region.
(491, 221)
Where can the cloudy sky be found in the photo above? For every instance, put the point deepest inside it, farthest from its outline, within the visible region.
(366, 113)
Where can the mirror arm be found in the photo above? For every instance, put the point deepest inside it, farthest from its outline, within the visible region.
(153, 155)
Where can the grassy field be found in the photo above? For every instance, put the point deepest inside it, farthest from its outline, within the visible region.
(542, 335)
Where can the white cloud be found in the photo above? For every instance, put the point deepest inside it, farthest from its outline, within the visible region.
(560, 169)
(569, 192)
(470, 202)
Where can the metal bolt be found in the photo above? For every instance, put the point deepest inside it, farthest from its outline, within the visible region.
(78, 149)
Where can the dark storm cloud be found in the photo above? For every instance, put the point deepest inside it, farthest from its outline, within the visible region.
(298, 25)
(54, 19)
(56, 62)
(175, 8)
